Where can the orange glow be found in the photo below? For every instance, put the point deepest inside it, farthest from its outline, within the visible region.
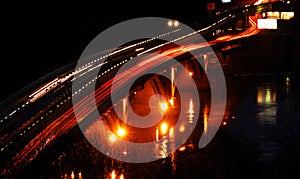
(171, 132)
(156, 134)
(113, 174)
(182, 148)
(72, 175)
(205, 119)
(164, 128)
(226, 37)
(190, 73)
(181, 128)
(121, 132)
(224, 123)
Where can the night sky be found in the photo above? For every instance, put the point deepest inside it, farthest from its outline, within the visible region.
(39, 38)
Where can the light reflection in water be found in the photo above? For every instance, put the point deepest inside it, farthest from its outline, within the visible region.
(191, 111)
(161, 149)
(266, 98)
(205, 118)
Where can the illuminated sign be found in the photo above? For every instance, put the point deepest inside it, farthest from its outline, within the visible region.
(267, 23)
(287, 15)
(273, 15)
(226, 1)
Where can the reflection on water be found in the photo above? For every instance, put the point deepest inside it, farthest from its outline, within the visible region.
(267, 120)
(205, 119)
(266, 95)
(248, 142)
(167, 144)
(266, 99)
(191, 111)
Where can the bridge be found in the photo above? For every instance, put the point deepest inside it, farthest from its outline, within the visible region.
(37, 116)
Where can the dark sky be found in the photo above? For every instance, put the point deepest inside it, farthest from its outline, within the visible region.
(38, 38)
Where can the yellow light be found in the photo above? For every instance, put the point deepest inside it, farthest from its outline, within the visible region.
(181, 149)
(224, 123)
(164, 128)
(181, 128)
(121, 132)
(113, 174)
(163, 106)
(171, 101)
(170, 23)
(112, 138)
(176, 23)
(190, 73)
(122, 176)
(72, 175)
(171, 132)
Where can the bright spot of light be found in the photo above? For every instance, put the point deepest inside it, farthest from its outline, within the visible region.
(224, 123)
(122, 176)
(121, 132)
(113, 174)
(176, 23)
(112, 138)
(164, 128)
(171, 101)
(163, 106)
(171, 132)
(181, 128)
(182, 148)
(72, 175)
(190, 73)
(170, 23)
(139, 49)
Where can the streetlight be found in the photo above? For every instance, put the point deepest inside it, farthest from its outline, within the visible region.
(173, 23)
(121, 132)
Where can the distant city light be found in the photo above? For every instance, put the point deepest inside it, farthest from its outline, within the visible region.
(176, 23)
(226, 1)
(170, 23)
